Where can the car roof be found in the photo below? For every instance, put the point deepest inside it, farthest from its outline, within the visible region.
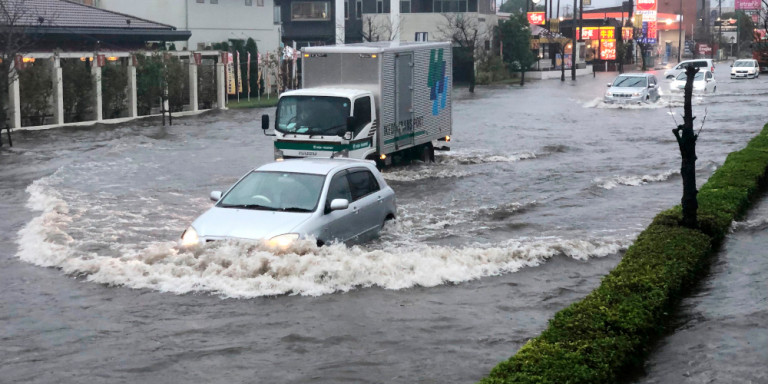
(312, 165)
(637, 74)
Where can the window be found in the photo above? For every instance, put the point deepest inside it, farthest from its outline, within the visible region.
(201, 1)
(310, 11)
(338, 189)
(380, 6)
(276, 17)
(359, 9)
(362, 113)
(450, 6)
(259, 3)
(405, 6)
(362, 183)
(346, 9)
(214, 1)
(248, 3)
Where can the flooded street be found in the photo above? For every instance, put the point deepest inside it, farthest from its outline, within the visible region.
(543, 190)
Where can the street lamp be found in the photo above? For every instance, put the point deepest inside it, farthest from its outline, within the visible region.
(732, 39)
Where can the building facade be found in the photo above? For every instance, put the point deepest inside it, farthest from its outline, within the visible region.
(209, 21)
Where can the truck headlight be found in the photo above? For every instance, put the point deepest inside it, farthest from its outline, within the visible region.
(278, 155)
(283, 241)
(189, 237)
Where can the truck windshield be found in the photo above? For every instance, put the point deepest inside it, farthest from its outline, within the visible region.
(312, 115)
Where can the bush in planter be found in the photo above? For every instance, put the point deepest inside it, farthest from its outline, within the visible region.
(206, 85)
(77, 86)
(36, 90)
(176, 76)
(150, 82)
(114, 85)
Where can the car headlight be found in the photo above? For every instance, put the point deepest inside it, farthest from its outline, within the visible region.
(283, 241)
(608, 94)
(637, 94)
(189, 237)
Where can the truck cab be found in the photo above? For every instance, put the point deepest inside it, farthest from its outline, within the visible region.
(325, 122)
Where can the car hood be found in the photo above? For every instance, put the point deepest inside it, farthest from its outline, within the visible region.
(627, 89)
(247, 223)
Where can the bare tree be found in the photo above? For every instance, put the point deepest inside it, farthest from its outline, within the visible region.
(378, 28)
(17, 22)
(561, 42)
(466, 33)
(686, 140)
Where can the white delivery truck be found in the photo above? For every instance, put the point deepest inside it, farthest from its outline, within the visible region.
(371, 101)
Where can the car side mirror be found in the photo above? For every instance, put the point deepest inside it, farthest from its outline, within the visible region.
(264, 122)
(608, 85)
(339, 204)
(216, 195)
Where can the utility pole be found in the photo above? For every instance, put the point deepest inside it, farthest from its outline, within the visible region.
(680, 31)
(720, 18)
(573, 48)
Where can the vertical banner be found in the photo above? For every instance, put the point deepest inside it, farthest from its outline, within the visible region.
(101, 60)
(198, 58)
(239, 75)
(258, 74)
(18, 62)
(248, 74)
(231, 87)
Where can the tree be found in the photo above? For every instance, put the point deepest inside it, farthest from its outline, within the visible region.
(15, 40)
(466, 33)
(686, 140)
(518, 7)
(378, 28)
(77, 87)
(516, 43)
(560, 43)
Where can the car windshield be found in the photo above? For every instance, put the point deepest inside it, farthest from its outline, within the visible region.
(275, 191)
(699, 75)
(630, 81)
(743, 63)
(312, 115)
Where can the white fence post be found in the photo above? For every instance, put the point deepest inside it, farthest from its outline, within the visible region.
(14, 98)
(221, 87)
(96, 78)
(58, 91)
(133, 109)
(193, 83)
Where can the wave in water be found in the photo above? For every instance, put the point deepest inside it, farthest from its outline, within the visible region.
(633, 181)
(245, 269)
(450, 165)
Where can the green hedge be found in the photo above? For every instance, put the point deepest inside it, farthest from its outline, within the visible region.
(600, 338)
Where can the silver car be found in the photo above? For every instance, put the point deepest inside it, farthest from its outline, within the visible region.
(330, 200)
(632, 88)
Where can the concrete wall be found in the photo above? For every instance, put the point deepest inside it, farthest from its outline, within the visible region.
(209, 23)
(410, 23)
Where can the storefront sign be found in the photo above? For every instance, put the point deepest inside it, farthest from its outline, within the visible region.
(536, 18)
(589, 33)
(747, 4)
(652, 30)
(704, 49)
(607, 33)
(626, 34)
(647, 5)
(607, 49)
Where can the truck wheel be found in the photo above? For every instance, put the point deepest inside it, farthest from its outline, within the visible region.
(427, 153)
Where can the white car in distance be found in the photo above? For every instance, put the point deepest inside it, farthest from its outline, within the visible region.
(703, 82)
(745, 68)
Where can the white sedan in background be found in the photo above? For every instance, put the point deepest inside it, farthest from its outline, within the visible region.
(703, 82)
(745, 68)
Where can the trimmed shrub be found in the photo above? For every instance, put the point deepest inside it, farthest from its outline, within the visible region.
(36, 90)
(114, 89)
(206, 84)
(77, 86)
(150, 83)
(596, 339)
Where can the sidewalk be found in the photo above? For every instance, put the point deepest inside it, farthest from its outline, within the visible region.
(721, 334)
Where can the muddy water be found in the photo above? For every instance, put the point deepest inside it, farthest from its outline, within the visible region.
(544, 188)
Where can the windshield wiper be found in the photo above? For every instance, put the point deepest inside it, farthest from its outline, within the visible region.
(295, 209)
(248, 206)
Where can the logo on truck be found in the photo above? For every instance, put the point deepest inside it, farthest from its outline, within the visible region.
(437, 81)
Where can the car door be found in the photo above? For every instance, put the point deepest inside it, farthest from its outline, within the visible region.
(654, 89)
(710, 82)
(366, 195)
(338, 224)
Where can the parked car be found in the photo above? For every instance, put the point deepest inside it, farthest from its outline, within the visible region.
(703, 82)
(632, 88)
(745, 68)
(680, 67)
(342, 200)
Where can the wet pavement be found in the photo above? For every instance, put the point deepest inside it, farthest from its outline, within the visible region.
(544, 188)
